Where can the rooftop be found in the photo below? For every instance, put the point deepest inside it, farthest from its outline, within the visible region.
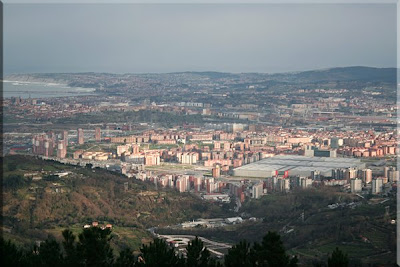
(295, 164)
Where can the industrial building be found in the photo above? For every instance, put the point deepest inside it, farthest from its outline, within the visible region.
(293, 165)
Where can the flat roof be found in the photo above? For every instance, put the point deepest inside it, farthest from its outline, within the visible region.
(294, 164)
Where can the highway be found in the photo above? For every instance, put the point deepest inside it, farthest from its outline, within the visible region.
(212, 246)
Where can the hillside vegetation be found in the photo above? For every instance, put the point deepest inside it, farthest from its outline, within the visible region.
(362, 230)
(33, 208)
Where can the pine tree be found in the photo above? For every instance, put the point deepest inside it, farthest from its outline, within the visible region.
(71, 257)
(125, 259)
(11, 255)
(240, 255)
(338, 259)
(271, 252)
(198, 255)
(94, 248)
(158, 254)
(50, 253)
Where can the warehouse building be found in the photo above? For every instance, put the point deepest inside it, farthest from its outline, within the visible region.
(291, 165)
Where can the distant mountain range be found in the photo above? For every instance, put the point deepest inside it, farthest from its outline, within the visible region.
(356, 73)
(342, 74)
(367, 74)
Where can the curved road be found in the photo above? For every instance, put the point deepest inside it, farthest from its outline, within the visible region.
(211, 245)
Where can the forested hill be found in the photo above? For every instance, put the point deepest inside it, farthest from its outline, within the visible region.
(33, 208)
(354, 73)
(365, 74)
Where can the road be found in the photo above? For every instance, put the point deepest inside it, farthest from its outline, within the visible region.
(212, 246)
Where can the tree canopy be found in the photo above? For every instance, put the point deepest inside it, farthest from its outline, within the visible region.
(338, 259)
(92, 248)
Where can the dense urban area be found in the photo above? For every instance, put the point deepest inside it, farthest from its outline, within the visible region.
(225, 157)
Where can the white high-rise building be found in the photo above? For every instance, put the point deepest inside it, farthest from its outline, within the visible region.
(187, 182)
(393, 175)
(283, 185)
(257, 190)
(305, 182)
(350, 173)
(355, 185)
(377, 185)
(366, 176)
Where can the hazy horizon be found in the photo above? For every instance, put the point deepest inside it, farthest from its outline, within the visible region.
(196, 71)
(167, 38)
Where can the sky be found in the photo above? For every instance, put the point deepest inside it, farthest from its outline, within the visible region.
(141, 38)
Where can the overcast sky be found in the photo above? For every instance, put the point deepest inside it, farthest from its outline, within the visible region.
(137, 38)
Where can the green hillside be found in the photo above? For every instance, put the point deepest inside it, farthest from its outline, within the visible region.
(34, 208)
(362, 231)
